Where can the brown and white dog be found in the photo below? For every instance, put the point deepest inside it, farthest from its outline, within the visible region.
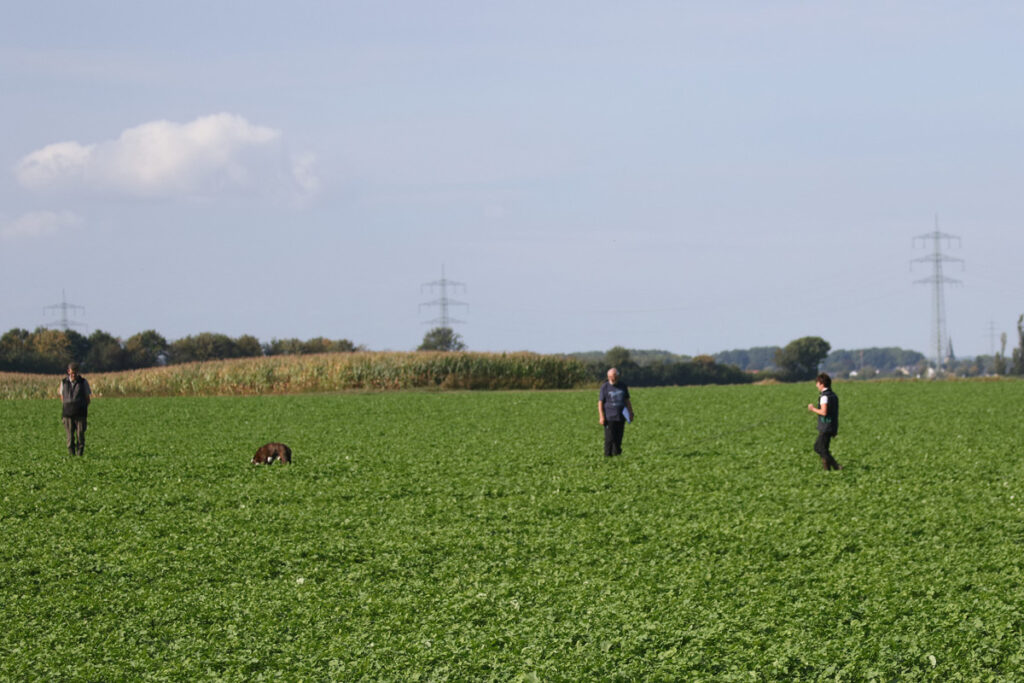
(268, 453)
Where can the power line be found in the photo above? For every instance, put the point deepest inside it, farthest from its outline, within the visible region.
(443, 302)
(938, 281)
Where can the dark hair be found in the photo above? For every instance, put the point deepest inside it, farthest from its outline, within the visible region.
(73, 366)
(825, 380)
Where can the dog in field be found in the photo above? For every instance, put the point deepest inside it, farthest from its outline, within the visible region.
(269, 452)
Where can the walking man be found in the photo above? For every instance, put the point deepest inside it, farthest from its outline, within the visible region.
(614, 409)
(827, 410)
(75, 395)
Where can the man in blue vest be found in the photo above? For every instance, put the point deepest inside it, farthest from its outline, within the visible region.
(827, 410)
(75, 396)
(614, 410)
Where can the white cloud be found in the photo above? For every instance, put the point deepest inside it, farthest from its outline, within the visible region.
(304, 173)
(38, 224)
(215, 155)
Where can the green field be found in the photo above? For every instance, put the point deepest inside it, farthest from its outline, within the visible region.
(477, 536)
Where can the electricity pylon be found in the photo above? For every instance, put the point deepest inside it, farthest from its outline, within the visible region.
(64, 307)
(938, 281)
(443, 302)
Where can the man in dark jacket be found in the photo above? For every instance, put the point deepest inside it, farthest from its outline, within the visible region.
(75, 395)
(614, 409)
(827, 410)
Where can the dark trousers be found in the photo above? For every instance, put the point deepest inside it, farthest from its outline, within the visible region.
(821, 447)
(613, 431)
(74, 427)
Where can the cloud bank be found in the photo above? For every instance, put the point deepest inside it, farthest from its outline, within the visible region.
(38, 224)
(217, 155)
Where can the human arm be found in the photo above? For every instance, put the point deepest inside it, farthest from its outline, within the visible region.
(822, 410)
(600, 412)
(632, 413)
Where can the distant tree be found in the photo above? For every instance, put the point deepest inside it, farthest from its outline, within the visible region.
(52, 348)
(738, 357)
(105, 353)
(16, 354)
(247, 346)
(887, 360)
(999, 362)
(144, 349)
(865, 372)
(203, 346)
(756, 358)
(1018, 353)
(617, 357)
(442, 339)
(799, 360)
(283, 347)
(79, 345)
(324, 345)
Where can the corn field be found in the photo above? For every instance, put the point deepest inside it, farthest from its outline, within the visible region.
(320, 373)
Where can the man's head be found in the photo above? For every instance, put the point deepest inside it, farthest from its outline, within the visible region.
(824, 381)
(613, 375)
(72, 370)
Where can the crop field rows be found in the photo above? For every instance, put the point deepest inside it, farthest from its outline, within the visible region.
(483, 536)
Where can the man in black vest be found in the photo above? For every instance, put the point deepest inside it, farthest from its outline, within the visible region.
(75, 396)
(827, 411)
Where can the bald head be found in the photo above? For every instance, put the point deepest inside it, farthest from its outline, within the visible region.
(613, 375)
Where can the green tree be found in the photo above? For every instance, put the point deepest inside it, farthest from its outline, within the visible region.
(105, 353)
(16, 354)
(799, 360)
(143, 350)
(203, 346)
(283, 347)
(247, 346)
(442, 339)
(79, 345)
(1018, 353)
(52, 348)
(617, 357)
(999, 362)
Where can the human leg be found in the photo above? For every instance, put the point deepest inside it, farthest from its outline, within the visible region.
(618, 429)
(80, 434)
(69, 434)
(821, 447)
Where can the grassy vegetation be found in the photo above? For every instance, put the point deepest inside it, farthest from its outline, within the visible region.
(319, 373)
(467, 536)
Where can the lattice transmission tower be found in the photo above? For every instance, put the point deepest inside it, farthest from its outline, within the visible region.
(443, 302)
(938, 281)
(64, 309)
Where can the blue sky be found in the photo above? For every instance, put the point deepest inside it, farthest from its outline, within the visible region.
(680, 175)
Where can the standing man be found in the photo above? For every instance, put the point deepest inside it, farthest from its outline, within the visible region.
(614, 410)
(75, 395)
(827, 411)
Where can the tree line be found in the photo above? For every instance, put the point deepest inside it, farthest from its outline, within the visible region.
(799, 360)
(49, 351)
